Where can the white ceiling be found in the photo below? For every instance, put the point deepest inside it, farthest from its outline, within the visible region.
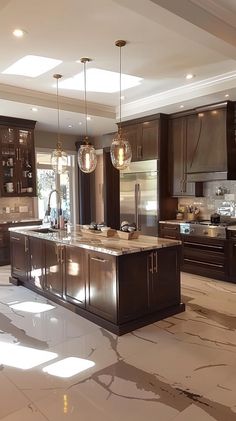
(165, 40)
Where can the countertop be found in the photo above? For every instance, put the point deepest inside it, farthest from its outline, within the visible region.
(109, 245)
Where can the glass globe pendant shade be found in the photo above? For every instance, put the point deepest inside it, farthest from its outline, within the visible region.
(121, 153)
(87, 158)
(59, 161)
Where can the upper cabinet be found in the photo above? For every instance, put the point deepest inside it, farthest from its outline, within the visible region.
(17, 157)
(143, 137)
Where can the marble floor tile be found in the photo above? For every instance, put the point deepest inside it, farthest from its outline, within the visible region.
(182, 368)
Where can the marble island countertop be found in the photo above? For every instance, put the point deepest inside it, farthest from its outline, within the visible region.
(110, 245)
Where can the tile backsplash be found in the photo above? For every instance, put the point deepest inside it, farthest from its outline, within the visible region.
(16, 208)
(219, 196)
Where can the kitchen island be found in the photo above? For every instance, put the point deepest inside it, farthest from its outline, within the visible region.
(119, 284)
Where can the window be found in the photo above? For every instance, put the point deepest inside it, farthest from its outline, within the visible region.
(47, 181)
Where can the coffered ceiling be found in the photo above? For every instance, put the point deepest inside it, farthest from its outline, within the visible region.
(166, 40)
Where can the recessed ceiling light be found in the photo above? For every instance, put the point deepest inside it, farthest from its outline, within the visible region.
(122, 97)
(99, 80)
(18, 33)
(189, 76)
(226, 95)
(80, 123)
(181, 106)
(70, 125)
(34, 109)
(89, 118)
(32, 66)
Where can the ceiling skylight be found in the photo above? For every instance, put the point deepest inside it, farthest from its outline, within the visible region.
(32, 66)
(68, 367)
(99, 80)
(32, 307)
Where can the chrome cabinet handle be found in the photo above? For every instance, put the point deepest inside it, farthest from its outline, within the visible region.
(203, 263)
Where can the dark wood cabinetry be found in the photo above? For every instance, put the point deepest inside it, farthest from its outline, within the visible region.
(120, 293)
(203, 147)
(54, 254)
(36, 262)
(75, 275)
(205, 257)
(19, 256)
(231, 236)
(164, 269)
(143, 138)
(17, 157)
(101, 285)
(167, 230)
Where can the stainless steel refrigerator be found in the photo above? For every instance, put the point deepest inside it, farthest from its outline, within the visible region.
(139, 192)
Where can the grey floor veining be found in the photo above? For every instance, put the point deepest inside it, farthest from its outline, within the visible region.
(182, 368)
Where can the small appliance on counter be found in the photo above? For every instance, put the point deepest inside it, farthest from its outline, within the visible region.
(215, 218)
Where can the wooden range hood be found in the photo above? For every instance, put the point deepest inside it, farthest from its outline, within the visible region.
(211, 143)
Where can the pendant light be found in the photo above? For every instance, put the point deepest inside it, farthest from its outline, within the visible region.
(59, 158)
(87, 158)
(121, 152)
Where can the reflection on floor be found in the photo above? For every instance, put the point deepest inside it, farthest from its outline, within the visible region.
(55, 365)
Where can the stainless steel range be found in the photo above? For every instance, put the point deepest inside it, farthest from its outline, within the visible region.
(203, 229)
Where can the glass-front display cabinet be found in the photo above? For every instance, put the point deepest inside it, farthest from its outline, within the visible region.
(17, 157)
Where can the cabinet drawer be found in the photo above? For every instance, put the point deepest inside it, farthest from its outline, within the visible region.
(170, 231)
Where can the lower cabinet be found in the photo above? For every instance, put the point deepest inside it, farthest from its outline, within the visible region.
(36, 262)
(101, 285)
(164, 278)
(74, 282)
(205, 257)
(120, 293)
(133, 286)
(54, 253)
(19, 256)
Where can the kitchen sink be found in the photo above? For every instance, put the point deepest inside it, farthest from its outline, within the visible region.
(45, 230)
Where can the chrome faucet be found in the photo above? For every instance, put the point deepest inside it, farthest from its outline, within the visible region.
(48, 211)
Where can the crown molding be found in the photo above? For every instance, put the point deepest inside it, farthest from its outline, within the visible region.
(41, 99)
(154, 103)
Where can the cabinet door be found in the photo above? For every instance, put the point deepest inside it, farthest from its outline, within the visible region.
(36, 262)
(17, 161)
(133, 134)
(8, 164)
(206, 134)
(19, 256)
(53, 267)
(4, 246)
(75, 275)
(133, 286)
(179, 147)
(164, 278)
(150, 139)
(101, 285)
(169, 231)
(25, 161)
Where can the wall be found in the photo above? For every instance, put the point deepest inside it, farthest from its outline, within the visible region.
(48, 140)
(211, 202)
(17, 208)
